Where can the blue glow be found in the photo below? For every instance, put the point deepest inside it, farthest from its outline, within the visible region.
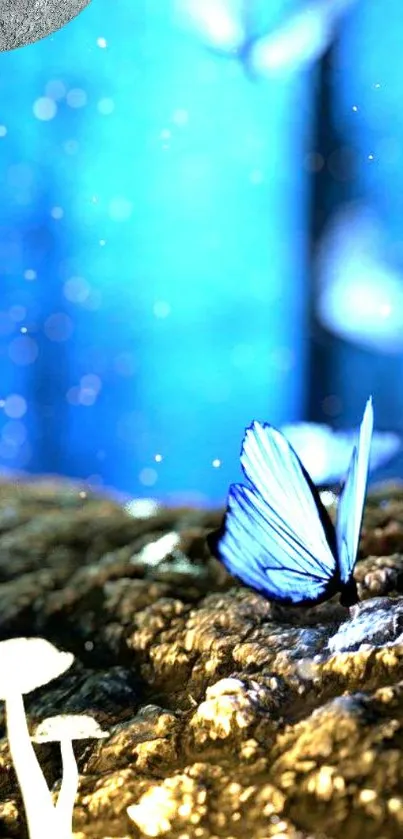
(361, 297)
(153, 253)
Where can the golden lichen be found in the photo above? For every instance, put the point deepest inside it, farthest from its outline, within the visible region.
(178, 800)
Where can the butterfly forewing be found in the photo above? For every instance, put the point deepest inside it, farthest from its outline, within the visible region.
(273, 538)
(278, 477)
(351, 502)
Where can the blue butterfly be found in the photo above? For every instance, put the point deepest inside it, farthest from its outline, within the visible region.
(277, 536)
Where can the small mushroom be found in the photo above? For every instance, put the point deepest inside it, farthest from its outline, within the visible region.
(26, 664)
(63, 729)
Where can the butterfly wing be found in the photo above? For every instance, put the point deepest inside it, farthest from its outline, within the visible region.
(314, 445)
(351, 502)
(326, 453)
(277, 537)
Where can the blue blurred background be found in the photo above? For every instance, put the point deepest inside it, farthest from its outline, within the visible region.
(200, 224)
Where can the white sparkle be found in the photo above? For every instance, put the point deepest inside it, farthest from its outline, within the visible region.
(328, 498)
(102, 43)
(158, 458)
(216, 463)
(3, 130)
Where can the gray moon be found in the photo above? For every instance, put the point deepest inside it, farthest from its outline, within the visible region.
(26, 21)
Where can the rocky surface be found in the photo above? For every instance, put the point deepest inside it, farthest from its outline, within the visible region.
(228, 716)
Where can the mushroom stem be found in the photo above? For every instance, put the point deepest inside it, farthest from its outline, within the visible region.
(39, 809)
(68, 790)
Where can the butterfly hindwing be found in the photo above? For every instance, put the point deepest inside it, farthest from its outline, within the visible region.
(277, 536)
(351, 501)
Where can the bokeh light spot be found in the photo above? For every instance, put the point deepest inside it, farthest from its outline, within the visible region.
(73, 395)
(6, 323)
(106, 106)
(55, 89)
(125, 364)
(45, 108)
(76, 289)
(15, 406)
(76, 97)
(180, 117)
(14, 433)
(161, 309)
(17, 313)
(58, 327)
(57, 212)
(148, 477)
(23, 350)
(332, 405)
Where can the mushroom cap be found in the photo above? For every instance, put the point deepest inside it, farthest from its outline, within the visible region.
(68, 727)
(29, 663)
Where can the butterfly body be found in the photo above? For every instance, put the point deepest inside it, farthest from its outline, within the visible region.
(277, 536)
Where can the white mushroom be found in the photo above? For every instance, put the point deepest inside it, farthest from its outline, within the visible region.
(26, 664)
(63, 729)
